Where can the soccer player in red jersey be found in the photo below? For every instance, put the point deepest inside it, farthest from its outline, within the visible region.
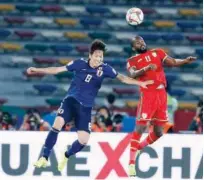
(152, 108)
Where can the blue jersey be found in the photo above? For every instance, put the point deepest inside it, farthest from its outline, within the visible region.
(87, 80)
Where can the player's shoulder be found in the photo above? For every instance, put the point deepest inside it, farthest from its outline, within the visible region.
(157, 50)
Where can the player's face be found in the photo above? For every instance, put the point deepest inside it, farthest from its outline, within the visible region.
(96, 59)
(139, 45)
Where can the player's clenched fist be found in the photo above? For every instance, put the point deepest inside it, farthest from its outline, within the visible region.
(32, 70)
(191, 59)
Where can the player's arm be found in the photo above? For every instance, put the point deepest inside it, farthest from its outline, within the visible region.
(169, 61)
(127, 80)
(134, 73)
(49, 70)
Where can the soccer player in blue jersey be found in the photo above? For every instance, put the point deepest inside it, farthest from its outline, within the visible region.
(89, 75)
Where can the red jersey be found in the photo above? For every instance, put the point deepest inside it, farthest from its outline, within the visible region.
(153, 56)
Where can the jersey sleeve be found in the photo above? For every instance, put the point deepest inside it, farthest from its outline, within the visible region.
(162, 54)
(110, 72)
(75, 65)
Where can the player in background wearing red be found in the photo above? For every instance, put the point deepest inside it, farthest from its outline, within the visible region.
(152, 108)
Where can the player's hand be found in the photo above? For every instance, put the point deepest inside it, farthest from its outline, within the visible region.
(190, 59)
(151, 67)
(144, 84)
(32, 70)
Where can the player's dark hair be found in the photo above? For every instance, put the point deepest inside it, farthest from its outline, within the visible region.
(97, 45)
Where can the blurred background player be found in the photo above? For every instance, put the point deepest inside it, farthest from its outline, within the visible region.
(145, 65)
(79, 101)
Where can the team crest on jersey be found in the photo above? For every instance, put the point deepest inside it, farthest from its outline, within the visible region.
(154, 54)
(99, 72)
(144, 115)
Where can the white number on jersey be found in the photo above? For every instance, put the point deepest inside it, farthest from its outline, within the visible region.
(148, 59)
(88, 78)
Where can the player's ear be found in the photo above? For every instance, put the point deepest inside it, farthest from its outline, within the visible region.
(89, 55)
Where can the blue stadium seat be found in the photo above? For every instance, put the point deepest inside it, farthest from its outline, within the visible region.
(171, 78)
(173, 36)
(61, 48)
(27, 8)
(91, 21)
(4, 33)
(187, 24)
(151, 37)
(199, 51)
(45, 88)
(95, 9)
(178, 92)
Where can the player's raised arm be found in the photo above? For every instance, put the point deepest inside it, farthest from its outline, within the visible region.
(128, 80)
(134, 73)
(169, 61)
(48, 70)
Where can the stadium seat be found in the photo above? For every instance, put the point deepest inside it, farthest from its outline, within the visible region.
(100, 35)
(58, 48)
(45, 88)
(148, 11)
(178, 92)
(15, 20)
(126, 37)
(53, 102)
(76, 35)
(189, 78)
(4, 33)
(51, 34)
(74, 10)
(189, 12)
(171, 78)
(44, 60)
(90, 22)
(190, 67)
(27, 8)
(82, 48)
(118, 11)
(6, 7)
(199, 52)
(173, 37)
(164, 12)
(183, 51)
(151, 37)
(36, 47)
(117, 24)
(41, 21)
(195, 38)
(164, 24)
(124, 91)
(64, 75)
(197, 92)
(188, 24)
(25, 34)
(66, 22)
(114, 50)
(21, 61)
(51, 8)
(95, 9)
(10, 46)
(64, 61)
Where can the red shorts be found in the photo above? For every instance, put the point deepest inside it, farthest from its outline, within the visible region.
(152, 107)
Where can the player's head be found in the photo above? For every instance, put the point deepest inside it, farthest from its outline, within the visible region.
(138, 44)
(96, 52)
